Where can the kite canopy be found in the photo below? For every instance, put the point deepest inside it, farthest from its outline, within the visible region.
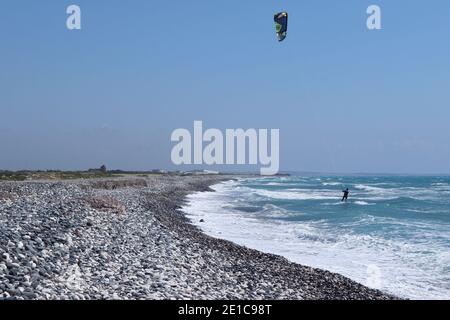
(281, 23)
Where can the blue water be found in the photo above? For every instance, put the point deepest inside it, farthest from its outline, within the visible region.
(393, 234)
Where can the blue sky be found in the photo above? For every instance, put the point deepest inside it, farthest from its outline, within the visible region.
(345, 99)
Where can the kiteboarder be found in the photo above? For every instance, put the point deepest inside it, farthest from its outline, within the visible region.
(345, 197)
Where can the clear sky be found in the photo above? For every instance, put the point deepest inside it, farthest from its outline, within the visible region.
(345, 99)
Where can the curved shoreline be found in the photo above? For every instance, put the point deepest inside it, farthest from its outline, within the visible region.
(301, 282)
(238, 229)
(123, 239)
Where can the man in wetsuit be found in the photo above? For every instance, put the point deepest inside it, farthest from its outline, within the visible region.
(345, 197)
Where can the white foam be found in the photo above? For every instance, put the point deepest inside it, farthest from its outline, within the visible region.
(297, 194)
(402, 270)
(370, 192)
(332, 183)
(363, 203)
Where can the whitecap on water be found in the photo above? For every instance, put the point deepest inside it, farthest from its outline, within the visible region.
(411, 259)
(363, 203)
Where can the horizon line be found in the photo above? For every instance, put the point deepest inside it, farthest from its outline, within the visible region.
(305, 172)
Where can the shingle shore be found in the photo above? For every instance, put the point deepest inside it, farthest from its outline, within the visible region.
(127, 239)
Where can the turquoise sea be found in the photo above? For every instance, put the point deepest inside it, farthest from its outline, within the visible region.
(393, 233)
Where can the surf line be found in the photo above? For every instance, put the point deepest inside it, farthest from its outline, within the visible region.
(230, 148)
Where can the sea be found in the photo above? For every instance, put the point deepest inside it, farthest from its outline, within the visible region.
(393, 233)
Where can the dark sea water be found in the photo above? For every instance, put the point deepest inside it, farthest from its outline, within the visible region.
(393, 234)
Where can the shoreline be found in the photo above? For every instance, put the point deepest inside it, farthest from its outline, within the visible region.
(123, 239)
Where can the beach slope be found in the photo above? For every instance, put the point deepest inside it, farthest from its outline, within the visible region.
(126, 238)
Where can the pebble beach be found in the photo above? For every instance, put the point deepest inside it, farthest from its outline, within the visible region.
(127, 238)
